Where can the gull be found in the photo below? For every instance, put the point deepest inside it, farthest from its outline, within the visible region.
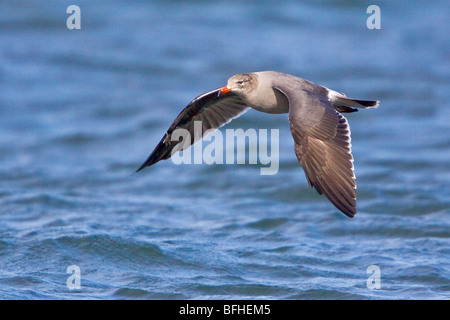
(321, 133)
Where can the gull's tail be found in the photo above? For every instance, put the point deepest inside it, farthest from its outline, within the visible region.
(344, 104)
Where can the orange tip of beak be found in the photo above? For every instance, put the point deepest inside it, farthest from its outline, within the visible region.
(224, 90)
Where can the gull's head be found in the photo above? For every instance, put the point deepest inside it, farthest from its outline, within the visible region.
(241, 83)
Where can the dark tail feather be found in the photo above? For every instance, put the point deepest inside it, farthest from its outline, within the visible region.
(345, 109)
(342, 101)
(367, 103)
(161, 152)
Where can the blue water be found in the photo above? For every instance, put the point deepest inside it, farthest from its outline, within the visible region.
(80, 110)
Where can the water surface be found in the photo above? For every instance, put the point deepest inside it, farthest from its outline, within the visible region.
(80, 110)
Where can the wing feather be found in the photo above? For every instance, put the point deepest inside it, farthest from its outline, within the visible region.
(211, 108)
(323, 147)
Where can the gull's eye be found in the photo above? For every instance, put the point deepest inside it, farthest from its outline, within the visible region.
(240, 81)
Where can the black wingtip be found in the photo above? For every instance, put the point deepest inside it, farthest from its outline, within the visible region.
(350, 214)
(141, 167)
(150, 161)
(161, 152)
(155, 157)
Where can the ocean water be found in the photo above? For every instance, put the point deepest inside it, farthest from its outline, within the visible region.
(80, 110)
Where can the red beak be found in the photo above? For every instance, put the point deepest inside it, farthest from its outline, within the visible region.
(224, 90)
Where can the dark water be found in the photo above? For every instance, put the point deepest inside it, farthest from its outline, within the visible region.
(80, 110)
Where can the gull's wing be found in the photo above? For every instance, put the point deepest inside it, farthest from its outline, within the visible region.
(213, 109)
(323, 146)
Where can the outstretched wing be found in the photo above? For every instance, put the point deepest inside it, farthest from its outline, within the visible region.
(323, 147)
(213, 109)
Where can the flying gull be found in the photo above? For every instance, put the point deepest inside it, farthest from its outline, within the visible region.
(321, 133)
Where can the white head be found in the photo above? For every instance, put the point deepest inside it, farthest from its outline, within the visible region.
(241, 84)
